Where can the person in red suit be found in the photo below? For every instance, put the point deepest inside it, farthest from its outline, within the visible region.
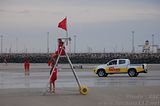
(53, 77)
(52, 62)
(26, 67)
(60, 47)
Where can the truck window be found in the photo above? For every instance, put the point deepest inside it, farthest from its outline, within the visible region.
(114, 62)
(121, 61)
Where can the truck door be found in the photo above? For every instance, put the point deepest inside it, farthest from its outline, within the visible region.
(113, 66)
(122, 65)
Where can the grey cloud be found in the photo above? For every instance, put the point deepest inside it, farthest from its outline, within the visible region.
(24, 12)
(57, 13)
(3, 11)
(14, 11)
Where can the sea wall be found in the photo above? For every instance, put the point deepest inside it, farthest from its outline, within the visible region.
(81, 57)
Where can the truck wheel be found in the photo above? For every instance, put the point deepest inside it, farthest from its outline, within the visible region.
(132, 73)
(102, 73)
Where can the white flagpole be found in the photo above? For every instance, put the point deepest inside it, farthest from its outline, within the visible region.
(66, 31)
(68, 42)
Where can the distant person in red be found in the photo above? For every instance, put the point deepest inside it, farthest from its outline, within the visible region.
(60, 46)
(26, 67)
(53, 77)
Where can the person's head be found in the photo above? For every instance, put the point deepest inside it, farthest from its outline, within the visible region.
(60, 42)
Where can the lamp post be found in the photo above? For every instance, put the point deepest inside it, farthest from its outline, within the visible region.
(75, 43)
(47, 42)
(133, 49)
(152, 43)
(1, 43)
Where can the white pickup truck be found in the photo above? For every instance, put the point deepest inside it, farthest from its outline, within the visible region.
(118, 66)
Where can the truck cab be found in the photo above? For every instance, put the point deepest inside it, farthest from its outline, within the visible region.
(119, 66)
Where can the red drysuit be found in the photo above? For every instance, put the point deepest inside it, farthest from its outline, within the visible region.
(60, 46)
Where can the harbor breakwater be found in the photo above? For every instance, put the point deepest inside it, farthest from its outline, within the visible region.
(136, 58)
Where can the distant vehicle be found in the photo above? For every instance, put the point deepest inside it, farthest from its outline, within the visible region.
(118, 66)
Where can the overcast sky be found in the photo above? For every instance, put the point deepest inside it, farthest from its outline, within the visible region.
(98, 24)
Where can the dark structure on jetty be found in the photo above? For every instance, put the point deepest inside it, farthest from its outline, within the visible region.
(81, 57)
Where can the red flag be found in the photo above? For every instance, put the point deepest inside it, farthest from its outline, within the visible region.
(62, 24)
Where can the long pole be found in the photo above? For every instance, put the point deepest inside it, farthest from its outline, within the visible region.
(68, 41)
(70, 45)
(54, 66)
(74, 43)
(47, 42)
(74, 72)
(66, 32)
(152, 43)
(1, 43)
(133, 49)
(57, 61)
(16, 45)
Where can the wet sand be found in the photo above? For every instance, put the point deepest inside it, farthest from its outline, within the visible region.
(104, 96)
(129, 91)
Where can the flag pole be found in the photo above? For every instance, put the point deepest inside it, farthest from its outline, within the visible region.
(68, 42)
(66, 31)
(63, 24)
(66, 37)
